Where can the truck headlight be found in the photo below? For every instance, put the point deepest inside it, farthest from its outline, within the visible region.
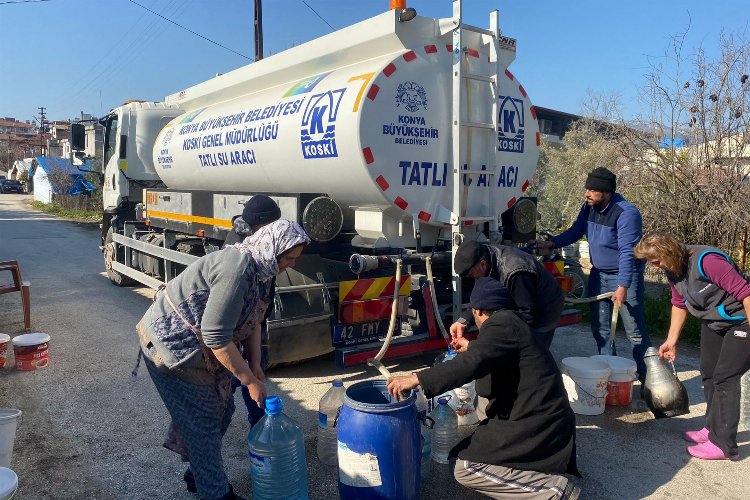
(322, 219)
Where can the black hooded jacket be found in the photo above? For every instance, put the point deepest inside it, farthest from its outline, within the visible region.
(530, 424)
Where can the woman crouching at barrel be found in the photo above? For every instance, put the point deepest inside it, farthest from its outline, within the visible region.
(706, 283)
(190, 339)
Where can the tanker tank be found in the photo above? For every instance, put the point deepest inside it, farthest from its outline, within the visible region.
(365, 120)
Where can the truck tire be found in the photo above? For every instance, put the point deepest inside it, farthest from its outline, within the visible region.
(115, 278)
(580, 288)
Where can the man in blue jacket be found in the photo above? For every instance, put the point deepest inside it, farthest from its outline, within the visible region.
(612, 227)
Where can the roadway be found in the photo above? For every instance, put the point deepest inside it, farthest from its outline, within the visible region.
(89, 431)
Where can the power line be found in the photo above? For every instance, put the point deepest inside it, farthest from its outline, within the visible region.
(191, 31)
(316, 13)
(24, 1)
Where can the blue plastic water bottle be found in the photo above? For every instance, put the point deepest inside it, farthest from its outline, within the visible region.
(277, 455)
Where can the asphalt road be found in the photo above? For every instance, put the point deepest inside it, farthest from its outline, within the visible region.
(88, 431)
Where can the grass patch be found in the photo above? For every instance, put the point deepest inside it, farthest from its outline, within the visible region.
(68, 213)
(658, 312)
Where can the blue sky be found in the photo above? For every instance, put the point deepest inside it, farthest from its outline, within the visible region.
(90, 55)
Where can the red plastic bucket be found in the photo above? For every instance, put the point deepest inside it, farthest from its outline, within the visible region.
(4, 339)
(619, 393)
(30, 351)
(620, 383)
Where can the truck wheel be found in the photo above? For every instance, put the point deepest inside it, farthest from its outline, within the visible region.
(109, 256)
(580, 288)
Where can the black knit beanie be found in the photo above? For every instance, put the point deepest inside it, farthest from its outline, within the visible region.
(601, 179)
(489, 295)
(260, 209)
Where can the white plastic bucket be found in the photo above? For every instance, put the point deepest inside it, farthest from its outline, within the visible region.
(585, 381)
(8, 483)
(8, 422)
(620, 384)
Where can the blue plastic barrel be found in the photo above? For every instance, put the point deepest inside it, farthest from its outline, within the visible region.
(379, 447)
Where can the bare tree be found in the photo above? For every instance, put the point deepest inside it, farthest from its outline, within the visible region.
(689, 158)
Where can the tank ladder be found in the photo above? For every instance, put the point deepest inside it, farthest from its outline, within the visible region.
(459, 216)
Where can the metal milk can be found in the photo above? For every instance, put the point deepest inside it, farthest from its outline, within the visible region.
(664, 393)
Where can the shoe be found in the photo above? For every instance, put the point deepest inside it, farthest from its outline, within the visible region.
(709, 451)
(700, 436)
(190, 481)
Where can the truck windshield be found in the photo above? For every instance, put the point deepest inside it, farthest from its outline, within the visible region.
(110, 138)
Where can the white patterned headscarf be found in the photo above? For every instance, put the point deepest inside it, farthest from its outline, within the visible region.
(269, 242)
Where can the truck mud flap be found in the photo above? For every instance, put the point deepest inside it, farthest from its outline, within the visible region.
(296, 339)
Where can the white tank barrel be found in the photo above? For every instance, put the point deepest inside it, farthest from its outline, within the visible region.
(375, 133)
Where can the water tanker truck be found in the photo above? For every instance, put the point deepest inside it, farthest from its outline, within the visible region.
(389, 141)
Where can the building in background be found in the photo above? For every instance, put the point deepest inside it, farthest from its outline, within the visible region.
(554, 124)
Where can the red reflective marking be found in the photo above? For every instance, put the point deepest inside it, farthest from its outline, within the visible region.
(365, 310)
(538, 138)
(410, 56)
(523, 92)
(525, 186)
(373, 92)
(389, 70)
(368, 155)
(400, 203)
(509, 74)
(382, 183)
(512, 202)
(449, 47)
(425, 216)
(473, 52)
(358, 290)
(430, 49)
(389, 288)
(533, 112)
(468, 222)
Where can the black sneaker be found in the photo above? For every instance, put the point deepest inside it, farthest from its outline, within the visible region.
(190, 481)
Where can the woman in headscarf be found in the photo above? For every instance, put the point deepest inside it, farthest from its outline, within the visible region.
(190, 338)
(707, 284)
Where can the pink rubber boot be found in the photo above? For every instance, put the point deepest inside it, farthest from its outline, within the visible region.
(709, 451)
(700, 436)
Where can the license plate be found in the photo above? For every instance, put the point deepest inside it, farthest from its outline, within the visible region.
(361, 332)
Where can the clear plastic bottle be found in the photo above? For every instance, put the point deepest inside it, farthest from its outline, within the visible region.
(328, 409)
(745, 401)
(426, 441)
(426, 432)
(462, 399)
(444, 432)
(277, 455)
(421, 403)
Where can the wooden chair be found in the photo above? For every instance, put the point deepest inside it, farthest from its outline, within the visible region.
(18, 285)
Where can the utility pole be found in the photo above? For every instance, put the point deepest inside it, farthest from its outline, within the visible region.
(42, 119)
(258, 30)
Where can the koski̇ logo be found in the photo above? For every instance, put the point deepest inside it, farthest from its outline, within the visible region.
(318, 133)
(411, 95)
(510, 132)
